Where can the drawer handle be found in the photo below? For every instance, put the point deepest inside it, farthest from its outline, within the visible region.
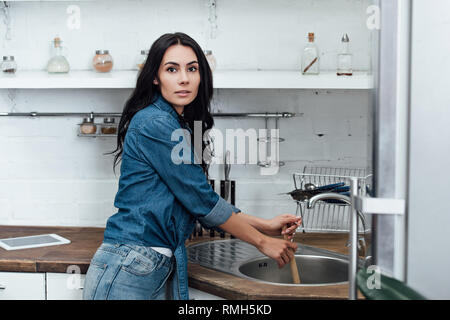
(2, 287)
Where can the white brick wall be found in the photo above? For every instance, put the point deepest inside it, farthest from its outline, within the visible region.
(49, 176)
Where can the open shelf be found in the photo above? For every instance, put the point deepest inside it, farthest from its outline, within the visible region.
(223, 79)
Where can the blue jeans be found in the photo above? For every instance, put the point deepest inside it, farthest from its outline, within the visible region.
(128, 272)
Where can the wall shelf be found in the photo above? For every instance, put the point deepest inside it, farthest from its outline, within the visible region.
(229, 79)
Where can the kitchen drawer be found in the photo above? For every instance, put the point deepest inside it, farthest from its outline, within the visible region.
(22, 286)
(65, 286)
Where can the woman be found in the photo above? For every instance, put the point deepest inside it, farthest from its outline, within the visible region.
(143, 254)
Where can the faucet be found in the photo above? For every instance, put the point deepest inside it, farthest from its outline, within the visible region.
(336, 196)
(355, 214)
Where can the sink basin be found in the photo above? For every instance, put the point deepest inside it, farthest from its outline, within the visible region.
(317, 267)
(313, 270)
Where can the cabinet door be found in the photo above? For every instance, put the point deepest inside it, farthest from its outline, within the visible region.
(65, 286)
(195, 294)
(22, 286)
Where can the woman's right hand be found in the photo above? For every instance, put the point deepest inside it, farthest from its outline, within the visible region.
(280, 250)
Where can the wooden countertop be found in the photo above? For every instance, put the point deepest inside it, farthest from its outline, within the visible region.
(85, 241)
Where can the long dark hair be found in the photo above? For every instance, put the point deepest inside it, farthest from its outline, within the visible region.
(145, 93)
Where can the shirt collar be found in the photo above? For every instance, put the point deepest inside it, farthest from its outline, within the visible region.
(162, 104)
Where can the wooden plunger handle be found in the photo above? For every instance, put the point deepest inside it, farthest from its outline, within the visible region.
(293, 263)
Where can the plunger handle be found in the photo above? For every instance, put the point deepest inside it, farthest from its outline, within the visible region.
(293, 263)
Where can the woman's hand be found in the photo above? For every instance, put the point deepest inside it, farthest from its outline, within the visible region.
(274, 227)
(280, 250)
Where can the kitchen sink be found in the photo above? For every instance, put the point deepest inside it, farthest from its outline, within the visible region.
(317, 267)
(312, 270)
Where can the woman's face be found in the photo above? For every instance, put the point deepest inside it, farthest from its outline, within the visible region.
(179, 76)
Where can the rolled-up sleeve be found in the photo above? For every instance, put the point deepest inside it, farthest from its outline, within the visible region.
(186, 181)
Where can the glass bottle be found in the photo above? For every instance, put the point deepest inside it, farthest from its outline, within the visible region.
(211, 60)
(310, 56)
(345, 58)
(103, 61)
(58, 63)
(8, 64)
(141, 59)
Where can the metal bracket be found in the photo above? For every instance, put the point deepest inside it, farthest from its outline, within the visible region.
(379, 205)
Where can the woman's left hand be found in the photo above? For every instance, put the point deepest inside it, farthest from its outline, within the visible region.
(275, 225)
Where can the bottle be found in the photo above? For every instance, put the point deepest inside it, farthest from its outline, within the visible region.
(103, 61)
(211, 59)
(345, 58)
(310, 57)
(141, 59)
(58, 63)
(8, 64)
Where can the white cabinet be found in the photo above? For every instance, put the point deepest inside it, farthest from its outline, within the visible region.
(195, 294)
(22, 286)
(57, 286)
(65, 286)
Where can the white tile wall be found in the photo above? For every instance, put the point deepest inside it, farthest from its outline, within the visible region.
(49, 176)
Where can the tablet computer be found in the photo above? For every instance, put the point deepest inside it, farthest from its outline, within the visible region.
(41, 240)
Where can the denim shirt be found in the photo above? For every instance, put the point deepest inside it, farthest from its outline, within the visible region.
(159, 199)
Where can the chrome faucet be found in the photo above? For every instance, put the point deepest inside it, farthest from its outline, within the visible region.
(336, 196)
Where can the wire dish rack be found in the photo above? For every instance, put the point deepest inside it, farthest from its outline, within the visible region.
(330, 217)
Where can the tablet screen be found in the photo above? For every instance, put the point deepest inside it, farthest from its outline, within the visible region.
(27, 241)
(32, 241)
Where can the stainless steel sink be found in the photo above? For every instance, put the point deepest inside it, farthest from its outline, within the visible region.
(317, 267)
(313, 270)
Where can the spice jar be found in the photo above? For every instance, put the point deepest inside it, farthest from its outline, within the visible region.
(103, 61)
(141, 59)
(211, 59)
(108, 126)
(8, 64)
(88, 126)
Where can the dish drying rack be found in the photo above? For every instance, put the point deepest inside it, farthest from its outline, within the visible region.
(329, 217)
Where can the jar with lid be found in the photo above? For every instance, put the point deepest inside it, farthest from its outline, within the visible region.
(103, 61)
(141, 59)
(211, 59)
(88, 126)
(8, 64)
(108, 126)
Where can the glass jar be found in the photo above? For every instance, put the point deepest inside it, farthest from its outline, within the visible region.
(108, 126)
(88, 126)
(141, 59)
(103, 61)
(58, 63)
(9, 65)
(211, 59)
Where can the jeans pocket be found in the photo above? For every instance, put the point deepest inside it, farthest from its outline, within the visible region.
(165, 278)
(140, 265)
(93, 277)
